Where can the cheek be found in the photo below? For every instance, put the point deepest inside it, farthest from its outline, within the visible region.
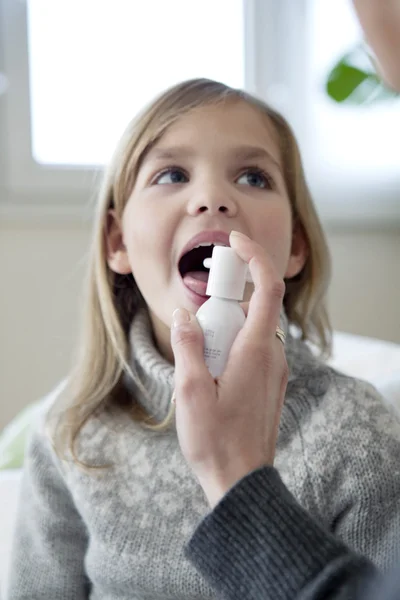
(139, 223)
(148, 234)
(273, 231)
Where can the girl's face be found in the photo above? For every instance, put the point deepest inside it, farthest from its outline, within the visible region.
(216, 169)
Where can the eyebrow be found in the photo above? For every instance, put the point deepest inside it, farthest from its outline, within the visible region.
(238, 153)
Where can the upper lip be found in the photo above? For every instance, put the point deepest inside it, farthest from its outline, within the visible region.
(211, 237)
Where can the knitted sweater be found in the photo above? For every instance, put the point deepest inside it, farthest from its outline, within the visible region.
(260, 543)
(120, 533)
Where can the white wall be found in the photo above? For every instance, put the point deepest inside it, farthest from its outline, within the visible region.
(41, 274)
(41, 270)
(365, 291)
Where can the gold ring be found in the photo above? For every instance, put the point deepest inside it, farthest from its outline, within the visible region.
(280, 334)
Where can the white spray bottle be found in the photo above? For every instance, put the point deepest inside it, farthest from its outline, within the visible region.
(221, 317)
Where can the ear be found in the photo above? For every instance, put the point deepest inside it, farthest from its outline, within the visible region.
(117, 255)
(298, 253)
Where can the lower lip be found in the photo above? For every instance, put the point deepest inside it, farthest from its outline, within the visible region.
(196, 299)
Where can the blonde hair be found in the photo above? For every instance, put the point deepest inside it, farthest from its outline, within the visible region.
(112, 300)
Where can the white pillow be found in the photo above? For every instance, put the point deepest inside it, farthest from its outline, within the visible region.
(376, 361)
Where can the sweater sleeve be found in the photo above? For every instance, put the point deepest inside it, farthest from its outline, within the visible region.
(50, 538)
(259, 543)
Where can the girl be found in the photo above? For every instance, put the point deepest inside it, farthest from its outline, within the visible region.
(108, 501)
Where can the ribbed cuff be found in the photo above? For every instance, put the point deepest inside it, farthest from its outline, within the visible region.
(259, 543)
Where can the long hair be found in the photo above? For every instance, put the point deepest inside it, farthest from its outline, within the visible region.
(112, 300)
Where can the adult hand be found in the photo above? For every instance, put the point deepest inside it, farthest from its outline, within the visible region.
(229, 427)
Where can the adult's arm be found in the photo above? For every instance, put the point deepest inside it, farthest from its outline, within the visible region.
(259, 543)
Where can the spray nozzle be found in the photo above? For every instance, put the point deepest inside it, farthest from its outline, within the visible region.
(208, 261)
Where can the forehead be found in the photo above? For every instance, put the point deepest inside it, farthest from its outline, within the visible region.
(233, 122)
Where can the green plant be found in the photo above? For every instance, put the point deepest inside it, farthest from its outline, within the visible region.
(354, 81)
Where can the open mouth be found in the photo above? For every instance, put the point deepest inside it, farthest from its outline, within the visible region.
(192, 269)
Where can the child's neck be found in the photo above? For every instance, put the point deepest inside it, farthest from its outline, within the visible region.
(162, 338)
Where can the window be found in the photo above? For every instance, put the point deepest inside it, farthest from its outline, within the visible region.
(349, 129)
(108, 59)
(352, 152)
(78, 70)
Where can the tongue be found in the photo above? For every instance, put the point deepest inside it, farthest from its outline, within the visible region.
(196, 281)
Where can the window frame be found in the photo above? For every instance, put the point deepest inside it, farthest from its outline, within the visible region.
(275, 44)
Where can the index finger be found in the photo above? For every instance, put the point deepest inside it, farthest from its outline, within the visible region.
(269, 288)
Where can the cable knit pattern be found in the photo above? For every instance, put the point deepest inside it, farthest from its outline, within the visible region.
(120, 533)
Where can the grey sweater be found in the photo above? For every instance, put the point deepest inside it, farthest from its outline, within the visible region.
(121, 533)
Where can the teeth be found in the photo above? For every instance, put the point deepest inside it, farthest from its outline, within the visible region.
(209, 244)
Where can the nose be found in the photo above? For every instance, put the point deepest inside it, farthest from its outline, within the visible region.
(211, 200)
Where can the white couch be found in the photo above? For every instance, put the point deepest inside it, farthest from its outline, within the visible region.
(365, 358)
(9, 490)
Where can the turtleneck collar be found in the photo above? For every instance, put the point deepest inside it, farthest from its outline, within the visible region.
(156, 374)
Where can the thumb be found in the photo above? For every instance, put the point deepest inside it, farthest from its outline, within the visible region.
(187, 343)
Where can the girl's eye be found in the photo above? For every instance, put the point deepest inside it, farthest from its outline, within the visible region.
(171, 175)
(256, 178)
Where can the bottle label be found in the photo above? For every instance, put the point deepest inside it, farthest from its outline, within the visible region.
(221, 321)
(217, 344)
(210, 352)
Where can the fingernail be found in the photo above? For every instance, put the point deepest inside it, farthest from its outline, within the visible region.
(180, 316)
(239, 234)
